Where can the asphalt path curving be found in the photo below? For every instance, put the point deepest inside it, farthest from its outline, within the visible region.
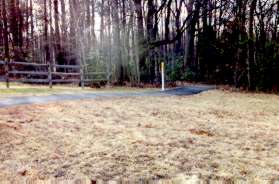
(181, 91)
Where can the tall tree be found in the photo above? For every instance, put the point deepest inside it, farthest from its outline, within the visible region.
(57, 28)
(251, 50)
(140, 35)
(116, 41)
(5, 29)
(46, 36)
(63, 21)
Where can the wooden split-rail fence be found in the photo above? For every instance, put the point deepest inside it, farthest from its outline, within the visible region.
(47, 72)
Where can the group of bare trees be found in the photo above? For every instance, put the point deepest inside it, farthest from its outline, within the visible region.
(231, 41)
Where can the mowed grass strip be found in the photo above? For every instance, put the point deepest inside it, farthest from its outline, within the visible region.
(21, 89)
(215, 134)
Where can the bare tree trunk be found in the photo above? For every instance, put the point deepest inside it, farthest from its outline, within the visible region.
(46, 39)
(140, 35)
(178, 46)
(27, 26)
(167, 20)
(251, 50)
(151, 36)
(190, 33)
(73, 29)
(32, 31)
(1, 27)
(220, 18)
(57, 29)
(51, 39)
(13, 27)
(20, 27)
(63, 21)
(102, 27)
(125, 40)
(109, 36)
(116, 41)
(93, 34)
(88, 23)
(5, 31)
(134, 55)
(277, 24)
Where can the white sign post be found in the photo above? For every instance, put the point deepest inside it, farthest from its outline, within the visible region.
(163, 75)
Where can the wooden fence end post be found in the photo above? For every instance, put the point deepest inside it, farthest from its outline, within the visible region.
(82, 77)
(49, 76)
(7, 73)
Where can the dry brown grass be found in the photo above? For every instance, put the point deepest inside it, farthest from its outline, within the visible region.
(217, 134)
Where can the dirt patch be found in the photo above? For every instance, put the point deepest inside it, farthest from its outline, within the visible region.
(201, 132)
(216, 134)
(4, 126)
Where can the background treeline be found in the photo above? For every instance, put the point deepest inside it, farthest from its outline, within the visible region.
(217, 41)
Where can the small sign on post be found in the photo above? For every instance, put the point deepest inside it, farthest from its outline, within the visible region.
(163, 75)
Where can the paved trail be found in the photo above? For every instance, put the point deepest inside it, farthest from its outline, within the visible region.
(14, 101)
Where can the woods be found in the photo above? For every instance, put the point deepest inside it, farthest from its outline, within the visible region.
(224, 42)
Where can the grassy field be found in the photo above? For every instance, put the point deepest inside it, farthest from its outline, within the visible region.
(215, 134)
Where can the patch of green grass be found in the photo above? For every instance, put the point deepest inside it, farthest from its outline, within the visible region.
(27, 89)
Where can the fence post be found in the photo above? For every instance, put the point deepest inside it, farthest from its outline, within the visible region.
(7, 73)
(49, 76)
(81, 77)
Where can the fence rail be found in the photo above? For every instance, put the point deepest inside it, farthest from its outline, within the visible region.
(27, 64)
(68, 66)
(66, 80)
(23, 63)
(49, 72)
(65, 74)
(95, 73)
(30, 80)
(95, 80)
(28, 73)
